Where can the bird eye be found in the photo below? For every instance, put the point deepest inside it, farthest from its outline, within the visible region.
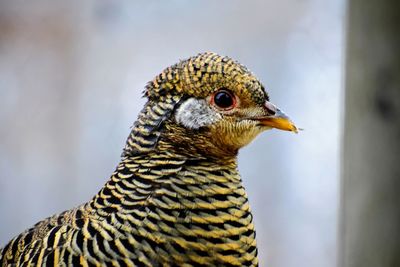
(224, 99)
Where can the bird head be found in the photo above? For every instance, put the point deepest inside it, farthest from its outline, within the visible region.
(207, 104)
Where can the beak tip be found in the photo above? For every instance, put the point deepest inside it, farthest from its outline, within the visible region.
(293, 128)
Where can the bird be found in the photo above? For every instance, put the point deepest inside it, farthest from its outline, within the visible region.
(176, 198)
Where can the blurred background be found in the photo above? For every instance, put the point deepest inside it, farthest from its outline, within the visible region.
(71, 78)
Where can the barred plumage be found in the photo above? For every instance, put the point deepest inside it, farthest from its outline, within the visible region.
(176, 198)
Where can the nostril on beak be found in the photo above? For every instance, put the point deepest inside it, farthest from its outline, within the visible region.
(271, 108)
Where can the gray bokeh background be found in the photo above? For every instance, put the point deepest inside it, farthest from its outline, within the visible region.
(71, 77)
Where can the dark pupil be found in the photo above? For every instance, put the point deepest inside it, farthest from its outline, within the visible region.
(223, 100)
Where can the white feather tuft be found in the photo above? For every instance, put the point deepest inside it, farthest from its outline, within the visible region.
(195, 113)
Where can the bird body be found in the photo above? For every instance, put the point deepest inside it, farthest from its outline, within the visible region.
(176, 198)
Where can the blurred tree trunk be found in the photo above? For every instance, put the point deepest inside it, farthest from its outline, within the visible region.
(370, 215)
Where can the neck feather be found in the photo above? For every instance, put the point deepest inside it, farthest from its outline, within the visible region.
(147, 129)
(140, 179)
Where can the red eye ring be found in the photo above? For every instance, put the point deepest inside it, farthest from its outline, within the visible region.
(223, 99)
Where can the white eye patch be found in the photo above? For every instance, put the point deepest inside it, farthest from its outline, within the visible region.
(195, 113)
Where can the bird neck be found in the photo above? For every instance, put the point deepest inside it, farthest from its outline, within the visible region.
(170, 201)
(140, 179)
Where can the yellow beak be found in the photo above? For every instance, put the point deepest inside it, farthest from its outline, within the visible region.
(277, 119)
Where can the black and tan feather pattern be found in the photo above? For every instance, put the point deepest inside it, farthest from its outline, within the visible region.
(168, 210)
(147, 129)
(176, 198)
